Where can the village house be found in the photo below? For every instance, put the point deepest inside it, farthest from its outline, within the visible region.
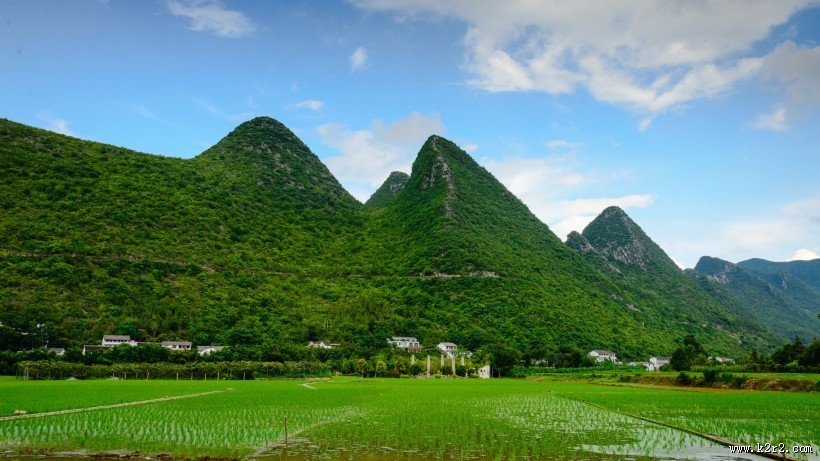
(208, 350)
(484, 372)
(56, 350)
(408, 343)
(116, 340)
(603, 355)
(322, 345)
(655, 363)
(449, 349)
(722, 360)
(177, 345)
(94, 347)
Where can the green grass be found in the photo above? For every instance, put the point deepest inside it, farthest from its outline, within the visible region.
(483, 419)
(42, 396)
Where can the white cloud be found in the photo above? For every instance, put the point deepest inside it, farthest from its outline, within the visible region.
(758, 236)
(366, 157)
(644, 124)
(808, 209)
(772, 234)
(358, 59)
(211, 108)
(212, 16)
(565, 216)
(803, 254)
(61, 126)
(469, 147)
(643, 55)
(797, 69)
(543, 183)
(558, 144)
(57, 125)
(776, 121)
(310, 104)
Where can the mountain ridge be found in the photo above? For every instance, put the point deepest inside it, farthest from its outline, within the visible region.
(254, 241)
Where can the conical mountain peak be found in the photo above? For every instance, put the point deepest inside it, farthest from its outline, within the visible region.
(385, 193)
(618, 238)
(259, 139)
(264, 152)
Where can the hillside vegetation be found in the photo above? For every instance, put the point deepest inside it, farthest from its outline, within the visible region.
(254, 242)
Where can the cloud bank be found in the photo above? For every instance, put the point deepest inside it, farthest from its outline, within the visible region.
(212, 16)
(646, 56)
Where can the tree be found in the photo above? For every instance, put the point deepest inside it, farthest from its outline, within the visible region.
(811, 355)
(361, 366)
(503, 358)
(680, 360)
(381, 367)
(415, 369)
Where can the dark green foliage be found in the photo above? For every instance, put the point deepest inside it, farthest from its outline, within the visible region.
(780, 300)
(389, 189)
(807, 271)
(680, 360)
(710, 376)
(654, 291)
(690, 353)
(254, 244)
(683, 379)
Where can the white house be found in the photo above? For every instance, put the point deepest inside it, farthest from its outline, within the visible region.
(56, 350)
(116, 340)
(449, 349)
(603, 355)
(323, 345)
(177, 345)
(408, 343)
(94, 347)
(207, 350)
(722, 359)
(655, 363)
(484, 372)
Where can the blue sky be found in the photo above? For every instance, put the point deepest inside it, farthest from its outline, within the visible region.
(700, 119)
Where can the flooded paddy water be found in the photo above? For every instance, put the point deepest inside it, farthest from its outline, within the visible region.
(379, 420)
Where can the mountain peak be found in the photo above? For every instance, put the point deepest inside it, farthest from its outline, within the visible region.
(715, 269)
(391, 186)
(617, 237)
(264, 153)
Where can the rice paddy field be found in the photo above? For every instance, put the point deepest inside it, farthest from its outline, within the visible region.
(399, 419)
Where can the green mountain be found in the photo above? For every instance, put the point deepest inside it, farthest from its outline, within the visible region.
(666, 298)
(391, 186)
(254, 242)
(779, 305)
(806, 271)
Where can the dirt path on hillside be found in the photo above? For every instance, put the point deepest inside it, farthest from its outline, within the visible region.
(106, 407)
(212, 268)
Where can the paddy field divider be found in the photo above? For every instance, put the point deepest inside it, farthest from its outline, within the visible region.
(106, 407)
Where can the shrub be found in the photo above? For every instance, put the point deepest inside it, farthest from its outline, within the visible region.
(683, 379)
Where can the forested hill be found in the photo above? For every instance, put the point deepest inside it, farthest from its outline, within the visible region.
(255, 243)
(656, 288)
(807, 271)
(780, 299)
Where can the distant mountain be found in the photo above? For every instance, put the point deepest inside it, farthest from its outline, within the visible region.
(654, 286)
(254, 242)
(807, 271)
(789, 307)
(385, 193)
